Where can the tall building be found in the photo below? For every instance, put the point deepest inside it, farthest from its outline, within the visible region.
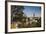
(33, 14)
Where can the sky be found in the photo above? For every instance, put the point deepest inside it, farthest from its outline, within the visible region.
(30, 10)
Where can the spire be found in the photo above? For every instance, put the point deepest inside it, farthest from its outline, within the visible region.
(33, 14)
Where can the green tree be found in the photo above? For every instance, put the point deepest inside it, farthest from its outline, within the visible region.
(39, 22)
(17, 13)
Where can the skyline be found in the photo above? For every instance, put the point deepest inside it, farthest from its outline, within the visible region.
(30, 10)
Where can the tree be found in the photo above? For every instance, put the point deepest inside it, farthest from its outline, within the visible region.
(39, 22)
(17, 13)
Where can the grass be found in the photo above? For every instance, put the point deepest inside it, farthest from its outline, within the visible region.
(13, 26)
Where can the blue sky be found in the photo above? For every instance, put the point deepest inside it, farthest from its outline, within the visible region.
(29, 10)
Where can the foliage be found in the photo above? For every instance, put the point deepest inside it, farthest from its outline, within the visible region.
(17, 13)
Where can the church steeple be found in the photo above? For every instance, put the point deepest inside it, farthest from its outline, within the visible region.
(33, 14)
